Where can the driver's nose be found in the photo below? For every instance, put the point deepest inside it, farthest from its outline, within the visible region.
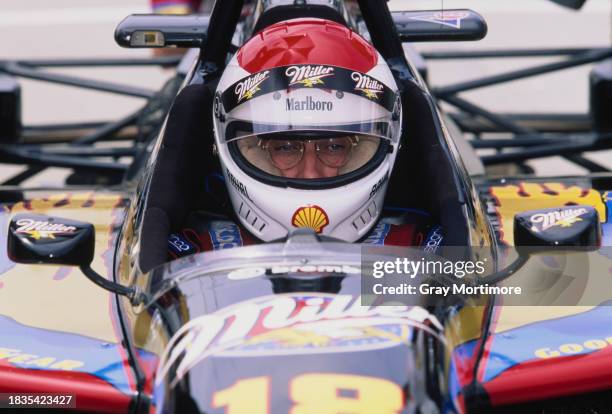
(310, 162)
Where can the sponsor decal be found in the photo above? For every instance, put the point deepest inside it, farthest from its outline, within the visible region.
(26, 360)
(308, 76)
(180, 245)
(247, 88)
(47, 349)
(313, 217)
(378, 185)
(562, 218)
(293, 324)
(574, 348)
(224, 235)
(254, 272)
(447, 18)
(370, 87)
(434, 239)
(378, 234)
(281, 80)
(237, 184)
(37, 229)
(308, 104)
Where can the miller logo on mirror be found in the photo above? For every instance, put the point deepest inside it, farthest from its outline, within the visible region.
(562, 218)
(370, 87)
(42, 229)
(308, 75)
(247, 88)
(293, 324)
(313, 217)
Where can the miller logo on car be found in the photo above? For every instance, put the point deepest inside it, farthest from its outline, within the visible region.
(293, 324)
(42, 229)
(562, 218)
(313, 217)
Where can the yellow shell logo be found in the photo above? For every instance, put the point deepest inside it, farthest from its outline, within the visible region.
(313, 217)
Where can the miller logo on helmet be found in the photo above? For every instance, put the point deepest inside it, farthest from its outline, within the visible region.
(250, 86)
(310, 125)
(308, 75)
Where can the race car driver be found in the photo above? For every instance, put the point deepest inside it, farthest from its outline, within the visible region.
(307, 123)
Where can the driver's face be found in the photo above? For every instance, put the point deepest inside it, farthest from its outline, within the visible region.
(310, 159)
(310, 166)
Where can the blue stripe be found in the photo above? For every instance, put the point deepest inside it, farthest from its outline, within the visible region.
(99, 358)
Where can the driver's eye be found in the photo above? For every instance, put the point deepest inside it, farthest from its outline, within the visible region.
(285, 147)
(335, 147)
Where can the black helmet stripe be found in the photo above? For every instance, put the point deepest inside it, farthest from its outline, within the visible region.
(308, 76)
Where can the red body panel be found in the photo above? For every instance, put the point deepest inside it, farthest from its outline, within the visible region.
(551, 378)
(92, 393)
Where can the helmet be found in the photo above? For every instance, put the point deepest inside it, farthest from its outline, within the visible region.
(307, 121)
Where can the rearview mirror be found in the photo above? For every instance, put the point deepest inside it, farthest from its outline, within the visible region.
(565, 227)
(439, 25)
(36, 238)
(40, 239)
(155, 30)
(572, 4)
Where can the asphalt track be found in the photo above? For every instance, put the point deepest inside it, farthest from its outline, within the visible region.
(84, 28)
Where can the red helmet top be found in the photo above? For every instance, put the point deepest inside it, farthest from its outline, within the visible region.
(307, 41)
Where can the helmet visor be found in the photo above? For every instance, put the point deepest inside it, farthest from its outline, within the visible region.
(308, 156)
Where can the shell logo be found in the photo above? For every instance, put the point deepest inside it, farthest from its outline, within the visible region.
(313, 217)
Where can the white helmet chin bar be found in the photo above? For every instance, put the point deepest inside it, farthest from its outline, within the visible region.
(269, 204)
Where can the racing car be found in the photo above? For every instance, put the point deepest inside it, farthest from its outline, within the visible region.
(282, 326)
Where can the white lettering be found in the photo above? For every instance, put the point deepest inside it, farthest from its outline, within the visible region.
(553, 218)
(308, 75)
(248, 87)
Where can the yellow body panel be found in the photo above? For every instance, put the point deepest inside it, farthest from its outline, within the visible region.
(55, 297)
(513, 199)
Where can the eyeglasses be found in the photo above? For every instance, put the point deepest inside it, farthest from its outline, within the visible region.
(286, 154)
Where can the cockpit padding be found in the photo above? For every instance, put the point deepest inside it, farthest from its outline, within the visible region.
(185, 158)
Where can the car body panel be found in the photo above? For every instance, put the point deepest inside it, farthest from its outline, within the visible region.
(550, 357)
(264, 339)
(260, 332)
(514, 196)
(535, 353)
(60, 331)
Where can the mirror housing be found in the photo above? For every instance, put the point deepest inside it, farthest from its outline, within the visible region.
(439, 25)
(157, 30)
(40, 239)
(564, 227)
(34, 238)
(572, 4)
